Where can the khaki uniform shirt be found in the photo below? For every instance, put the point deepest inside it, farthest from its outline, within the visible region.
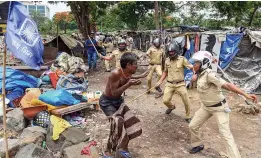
(109, 47)
(155, 55)
(117, 54)
(209, 87)
(175, 69)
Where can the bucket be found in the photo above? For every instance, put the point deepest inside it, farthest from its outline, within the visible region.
(1, 105)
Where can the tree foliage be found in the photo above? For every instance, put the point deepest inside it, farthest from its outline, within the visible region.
(139, 15)
(86, 13)
(63, 19)
(131, 12)
(241, 12)
(44, 25)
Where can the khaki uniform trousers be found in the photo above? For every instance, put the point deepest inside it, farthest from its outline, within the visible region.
(170, 89)
(107, 62)
(222, 119)
(154, 68)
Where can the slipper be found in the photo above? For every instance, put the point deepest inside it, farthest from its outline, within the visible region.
(123, 153)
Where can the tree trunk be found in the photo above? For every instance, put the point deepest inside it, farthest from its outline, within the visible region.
(81, 14)
(156, 15)
(252, 16)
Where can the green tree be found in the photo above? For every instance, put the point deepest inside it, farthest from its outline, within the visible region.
(63, 19)
(86, 13)
(110, 22)
(241, 12)
(130, 12)
(38, 18)
(147, 22)
(44, 25)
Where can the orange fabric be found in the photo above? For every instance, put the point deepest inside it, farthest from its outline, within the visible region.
(54, 76)
(31, 93)
(36, 102)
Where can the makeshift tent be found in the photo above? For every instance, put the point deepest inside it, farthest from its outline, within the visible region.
(239, 54)
(245, 67)
(66, 44)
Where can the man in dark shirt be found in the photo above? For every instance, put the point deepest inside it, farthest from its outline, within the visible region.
(91, 52)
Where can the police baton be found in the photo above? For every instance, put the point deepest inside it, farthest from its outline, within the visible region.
(93, 46)
(226, 76)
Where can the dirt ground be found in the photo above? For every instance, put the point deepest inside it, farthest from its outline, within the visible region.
(167, 136)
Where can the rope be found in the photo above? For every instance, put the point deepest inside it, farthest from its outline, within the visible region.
(140, 95)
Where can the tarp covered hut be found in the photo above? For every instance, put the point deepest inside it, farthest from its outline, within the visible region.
(238, 54)
(66, 44)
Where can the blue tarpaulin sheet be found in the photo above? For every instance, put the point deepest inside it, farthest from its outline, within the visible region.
(229, 49)
(16, 82)
(188, 72)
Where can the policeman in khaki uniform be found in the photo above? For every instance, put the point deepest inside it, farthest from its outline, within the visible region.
(117, 53)
(109, 49)
(155, 54)
(213, 104)
(174, 71)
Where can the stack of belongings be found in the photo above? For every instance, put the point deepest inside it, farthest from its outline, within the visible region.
(64, 65)
(15, 85)
(63, 86)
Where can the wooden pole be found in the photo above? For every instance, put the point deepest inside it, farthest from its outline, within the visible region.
(4, 108)
(57, 36)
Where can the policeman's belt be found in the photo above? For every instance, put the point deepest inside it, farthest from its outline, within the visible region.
(154, 64)
(218, 104)
(173, 82)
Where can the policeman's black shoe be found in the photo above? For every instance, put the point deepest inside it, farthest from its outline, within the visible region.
(159, 89)
(169, 110)
(196, 149)
(108, 71)
(188, 120)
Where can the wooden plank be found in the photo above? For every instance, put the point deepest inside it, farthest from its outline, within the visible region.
(26, 67)
(73, 108)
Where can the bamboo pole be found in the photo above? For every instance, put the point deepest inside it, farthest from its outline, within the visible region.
(3, 99)
(93, 45)
(57, 36)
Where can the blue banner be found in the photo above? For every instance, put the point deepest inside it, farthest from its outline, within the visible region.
(229, 49)
(22, 37)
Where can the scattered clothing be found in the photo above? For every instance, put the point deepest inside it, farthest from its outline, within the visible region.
(76, 121)
(86, 150)
(16, 82)
(59, 125)
(71, 82)
(31, 93)
(42, 119)
(37, 102)
(58, 98)
(67, 63)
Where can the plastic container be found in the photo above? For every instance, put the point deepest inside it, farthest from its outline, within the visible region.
(98, 94)
(90, 95)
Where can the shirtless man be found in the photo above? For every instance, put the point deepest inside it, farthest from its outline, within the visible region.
(119, 80)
